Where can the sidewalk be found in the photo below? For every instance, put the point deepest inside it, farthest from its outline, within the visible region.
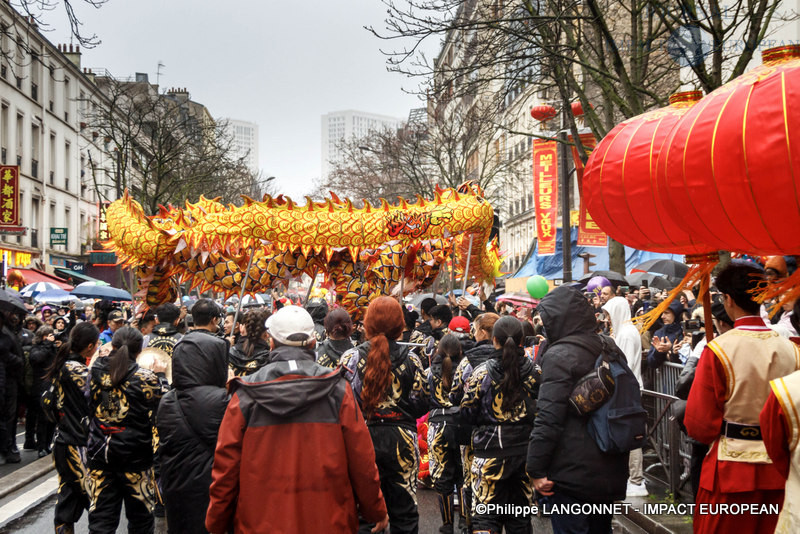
(659, 513)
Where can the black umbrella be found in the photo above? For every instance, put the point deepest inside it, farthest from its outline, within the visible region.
(672, 268)
(417, 299)
(614, 277)
(11, 302)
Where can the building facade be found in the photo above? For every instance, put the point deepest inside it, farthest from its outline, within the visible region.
(44, 94)
(339, 126)
(245, 142)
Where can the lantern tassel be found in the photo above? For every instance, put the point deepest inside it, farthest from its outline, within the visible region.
(786, 291)
(697, 273)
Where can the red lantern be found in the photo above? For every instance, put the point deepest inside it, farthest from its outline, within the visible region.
(619, 183)
(730, 168)
(543, 113)
(577, 109)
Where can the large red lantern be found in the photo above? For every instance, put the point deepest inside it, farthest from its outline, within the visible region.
(730, 168)
(577, 109)
(619, 183)
(543, 112)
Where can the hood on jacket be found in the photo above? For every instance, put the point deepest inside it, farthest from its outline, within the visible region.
(565, 312)
(283, 395)
(317, 309)
(619, 311)
(677, 308)
(164, 329)
(199, 361)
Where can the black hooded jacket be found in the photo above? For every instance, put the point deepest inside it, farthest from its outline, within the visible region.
(164, 336)
(330, 351)
(242, 365)
(188, 422)
(122, 418)
(561, 448)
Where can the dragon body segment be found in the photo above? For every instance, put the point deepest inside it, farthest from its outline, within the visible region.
(362, 252)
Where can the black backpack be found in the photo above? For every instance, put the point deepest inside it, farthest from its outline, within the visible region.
(618, 424)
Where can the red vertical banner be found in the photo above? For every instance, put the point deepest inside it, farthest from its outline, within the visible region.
(545, 193)
(9, 196)
(589, 234)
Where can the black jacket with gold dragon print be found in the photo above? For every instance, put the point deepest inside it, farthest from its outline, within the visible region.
(71, 403)
(499, 433)
(406, 397)
(122, 434)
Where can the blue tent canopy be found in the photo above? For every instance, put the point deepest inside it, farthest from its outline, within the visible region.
(551, 267)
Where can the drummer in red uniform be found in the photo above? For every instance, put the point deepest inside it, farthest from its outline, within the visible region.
(730, 389)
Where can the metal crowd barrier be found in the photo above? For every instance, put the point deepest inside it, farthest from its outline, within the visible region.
(670, 446)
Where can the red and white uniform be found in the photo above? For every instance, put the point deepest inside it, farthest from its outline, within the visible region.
(732, 385)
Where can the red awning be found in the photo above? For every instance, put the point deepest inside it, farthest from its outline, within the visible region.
(35, 275)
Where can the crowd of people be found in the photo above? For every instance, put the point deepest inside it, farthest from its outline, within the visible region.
(300, 419)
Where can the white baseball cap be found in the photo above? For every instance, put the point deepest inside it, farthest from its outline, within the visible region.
(291, 321)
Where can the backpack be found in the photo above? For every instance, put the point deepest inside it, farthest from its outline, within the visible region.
(619, 424)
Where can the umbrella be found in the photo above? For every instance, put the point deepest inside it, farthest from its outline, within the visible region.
(672, 268)
(100, 290)
(31, 290)
(416, 300)
(54, 295)
(518, 299)
(252, 301)
(614, 277)
(11, 302)
(636, 279)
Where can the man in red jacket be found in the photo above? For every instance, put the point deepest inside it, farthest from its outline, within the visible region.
(294, 454)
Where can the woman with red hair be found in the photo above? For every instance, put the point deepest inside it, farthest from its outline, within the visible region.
(389, 383)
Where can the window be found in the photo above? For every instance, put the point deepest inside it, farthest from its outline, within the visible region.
(67, 164)
(52, 158)
(35, 150)
(67, 97)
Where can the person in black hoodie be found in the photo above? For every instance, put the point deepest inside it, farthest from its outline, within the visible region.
(317, 308)
(482, 351)
(423, 330)
(445, 459)
(43, 354)
(123, 401)
(188, 420)
(389, 384)
(499, 400)
(70, 408)
(564, 461)
(252, 353)
(15, 340)
(665, 337)
(338, 326)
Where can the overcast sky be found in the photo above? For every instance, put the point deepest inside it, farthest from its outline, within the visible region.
(280, 64)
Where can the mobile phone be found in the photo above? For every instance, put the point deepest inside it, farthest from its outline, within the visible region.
(645, 283)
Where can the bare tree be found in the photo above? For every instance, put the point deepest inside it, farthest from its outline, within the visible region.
(445, 150)
(618, 58)
(166, 147)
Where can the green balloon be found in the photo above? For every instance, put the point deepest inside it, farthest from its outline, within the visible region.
(537, 286)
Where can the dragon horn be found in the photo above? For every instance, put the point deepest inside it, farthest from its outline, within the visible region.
(309, 203)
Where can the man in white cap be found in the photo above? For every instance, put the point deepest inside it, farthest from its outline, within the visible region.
(294, 453)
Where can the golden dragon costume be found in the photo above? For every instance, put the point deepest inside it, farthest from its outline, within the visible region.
(362, 252)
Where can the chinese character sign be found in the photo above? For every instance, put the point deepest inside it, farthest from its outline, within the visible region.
(102, 225)
(589, 234)
(545, 193)
(9, 195)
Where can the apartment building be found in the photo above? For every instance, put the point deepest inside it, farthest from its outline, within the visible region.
(44, 93)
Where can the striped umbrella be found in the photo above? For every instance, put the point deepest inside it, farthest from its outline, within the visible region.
(31, 290)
